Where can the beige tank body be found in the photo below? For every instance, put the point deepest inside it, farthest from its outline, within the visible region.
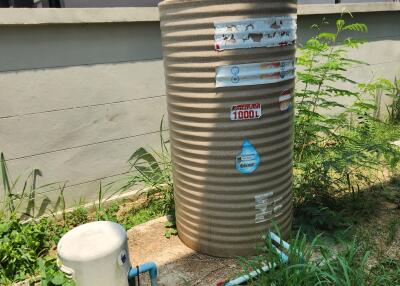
(229, 69)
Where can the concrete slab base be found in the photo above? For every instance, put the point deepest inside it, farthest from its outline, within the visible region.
(178, 265)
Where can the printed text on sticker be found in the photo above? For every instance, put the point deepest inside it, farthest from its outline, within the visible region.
(255, 73)
(246, 112)
(255, 33)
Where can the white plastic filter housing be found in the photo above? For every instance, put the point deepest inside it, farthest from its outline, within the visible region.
(95, 254)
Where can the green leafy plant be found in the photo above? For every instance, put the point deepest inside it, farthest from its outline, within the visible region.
(25, 240)
(108, 213)
(337, 150)
(51, 275)
(22, 245)
(170, 229)
(78, 216)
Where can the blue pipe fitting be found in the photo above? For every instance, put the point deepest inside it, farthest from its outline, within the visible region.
(150, 267)
(284, 259)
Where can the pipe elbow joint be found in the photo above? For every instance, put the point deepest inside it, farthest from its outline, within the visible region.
(150, 267)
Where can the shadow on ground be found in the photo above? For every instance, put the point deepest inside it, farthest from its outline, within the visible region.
(177, 264)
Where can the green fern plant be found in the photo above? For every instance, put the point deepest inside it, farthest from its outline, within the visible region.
(336, 147)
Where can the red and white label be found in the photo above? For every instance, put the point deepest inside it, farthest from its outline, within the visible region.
(246, 111)
(285, 100)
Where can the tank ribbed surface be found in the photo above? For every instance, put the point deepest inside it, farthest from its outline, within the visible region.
(221, 210)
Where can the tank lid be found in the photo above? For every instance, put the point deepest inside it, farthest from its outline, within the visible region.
(91, 241)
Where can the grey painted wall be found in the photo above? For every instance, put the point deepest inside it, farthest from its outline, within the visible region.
(152, 3)
(110, 3)
(52, 46)
(77, 100)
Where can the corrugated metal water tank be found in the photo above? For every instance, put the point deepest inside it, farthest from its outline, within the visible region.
(229, 69)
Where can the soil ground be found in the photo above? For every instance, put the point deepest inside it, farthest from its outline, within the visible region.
(378, 226)
(177, 264)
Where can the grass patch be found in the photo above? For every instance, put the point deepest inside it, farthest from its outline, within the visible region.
(132, 214)
(138, 216)
(315, 264)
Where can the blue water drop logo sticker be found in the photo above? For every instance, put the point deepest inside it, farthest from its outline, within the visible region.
(248, 160)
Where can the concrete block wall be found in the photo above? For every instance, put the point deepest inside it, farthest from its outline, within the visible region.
(78, 99)
(82, 89)
(381, 52)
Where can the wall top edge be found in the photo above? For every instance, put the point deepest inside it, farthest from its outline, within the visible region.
(50, 16)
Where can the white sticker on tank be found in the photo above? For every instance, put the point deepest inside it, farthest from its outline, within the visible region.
(247, 111)
(254, 74)
(266, 208)
(255, 33)
(262, 206)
